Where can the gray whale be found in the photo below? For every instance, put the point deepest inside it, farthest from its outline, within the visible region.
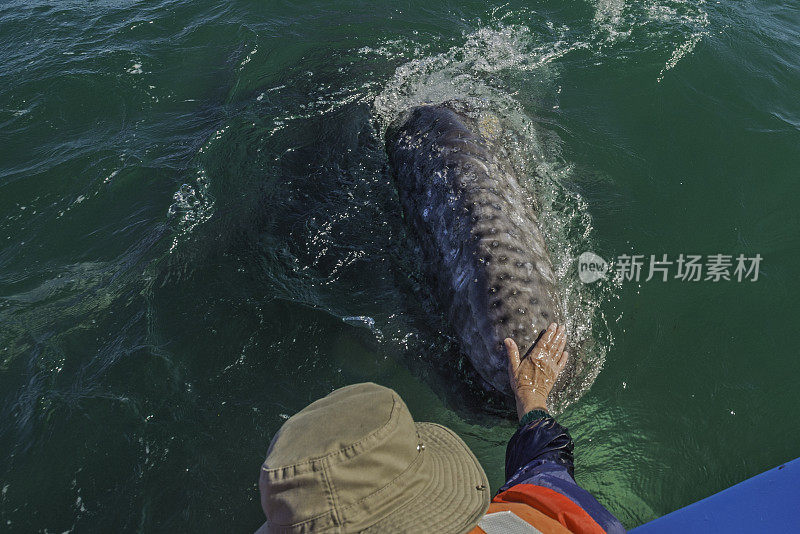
(480, 238)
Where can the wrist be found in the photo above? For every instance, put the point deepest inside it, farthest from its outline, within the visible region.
(528, 401)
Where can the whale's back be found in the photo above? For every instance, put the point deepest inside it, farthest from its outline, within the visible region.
(484, 252)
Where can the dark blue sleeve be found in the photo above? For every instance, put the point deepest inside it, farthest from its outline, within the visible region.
(541, 441)
(540, 453)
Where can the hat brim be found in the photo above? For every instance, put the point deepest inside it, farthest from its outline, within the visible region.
(457, 495)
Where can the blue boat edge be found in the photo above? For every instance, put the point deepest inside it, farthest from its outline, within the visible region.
(767, 502)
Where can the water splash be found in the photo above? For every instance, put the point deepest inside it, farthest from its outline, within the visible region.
(679, 24)
(473, 71)
(193, 206)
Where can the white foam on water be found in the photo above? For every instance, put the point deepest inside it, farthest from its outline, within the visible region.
(465, 72)
(248, 58)
(192, 206)
(681, 24)
(679, 53)
(609, 19)
(193, 203)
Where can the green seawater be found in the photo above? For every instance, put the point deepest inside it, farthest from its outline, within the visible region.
(199, 235)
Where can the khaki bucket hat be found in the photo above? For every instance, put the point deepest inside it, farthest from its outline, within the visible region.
(355, 461)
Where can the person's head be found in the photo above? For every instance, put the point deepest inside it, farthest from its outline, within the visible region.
(355, 461)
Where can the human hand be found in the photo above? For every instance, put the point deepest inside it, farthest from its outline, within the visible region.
(533, 377)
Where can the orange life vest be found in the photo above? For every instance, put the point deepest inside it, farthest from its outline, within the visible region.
(546, 511)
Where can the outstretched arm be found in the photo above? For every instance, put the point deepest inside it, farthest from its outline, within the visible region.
(539, 458)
